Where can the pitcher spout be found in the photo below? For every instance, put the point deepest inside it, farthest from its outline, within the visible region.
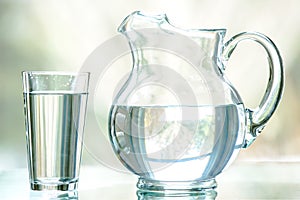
(139, 20)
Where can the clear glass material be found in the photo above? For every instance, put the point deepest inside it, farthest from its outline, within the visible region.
(55, 108)
(178, 122)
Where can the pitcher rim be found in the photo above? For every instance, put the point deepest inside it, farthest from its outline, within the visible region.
(164, 17)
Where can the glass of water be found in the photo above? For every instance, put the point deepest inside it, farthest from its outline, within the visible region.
(55, 109)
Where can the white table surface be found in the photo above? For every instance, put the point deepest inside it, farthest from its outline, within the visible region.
(242, 180)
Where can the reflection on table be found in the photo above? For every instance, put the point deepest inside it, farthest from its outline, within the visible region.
(243, 180)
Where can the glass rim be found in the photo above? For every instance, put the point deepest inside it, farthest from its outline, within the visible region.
(46, 72)
(55, 81)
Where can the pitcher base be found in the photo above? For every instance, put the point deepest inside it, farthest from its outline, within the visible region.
(154, 188)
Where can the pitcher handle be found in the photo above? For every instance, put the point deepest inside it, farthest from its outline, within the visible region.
(257, 118)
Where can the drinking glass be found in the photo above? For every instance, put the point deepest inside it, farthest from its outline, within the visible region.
(55, 108)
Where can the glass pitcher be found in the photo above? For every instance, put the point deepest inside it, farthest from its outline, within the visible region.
(177, 122)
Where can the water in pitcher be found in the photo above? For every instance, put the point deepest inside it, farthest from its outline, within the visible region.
(174, 143)
(55, 129)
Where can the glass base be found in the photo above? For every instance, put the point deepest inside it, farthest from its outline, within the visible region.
(60, 187)
(152, 189)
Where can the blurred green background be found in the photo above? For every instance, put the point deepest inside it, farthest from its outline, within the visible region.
(59, 35)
